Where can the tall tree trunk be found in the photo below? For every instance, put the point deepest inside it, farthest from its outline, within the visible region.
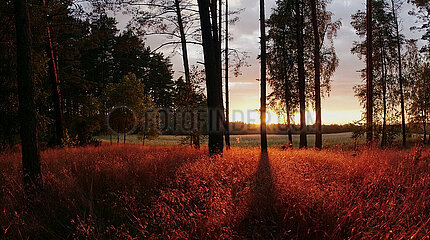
(185, 59)
(399, 60)
(196, 141)
(124, 137)
(183, 43)
(425, 125)
(27, 113)
(287, 103)
(220, 23)
(217, 26)
(55, 83)
(369, 72)
(263, 79)
(287, 91)
(227, 98)
(213, 78)
(384, 99)
(301, 75)
(318, 130)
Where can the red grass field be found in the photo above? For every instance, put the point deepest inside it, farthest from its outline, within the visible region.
(133, 192)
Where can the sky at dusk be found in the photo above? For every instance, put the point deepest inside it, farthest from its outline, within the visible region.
(340, 107)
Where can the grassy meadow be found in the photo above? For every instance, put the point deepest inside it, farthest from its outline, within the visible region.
(155, 192)
(251, 140)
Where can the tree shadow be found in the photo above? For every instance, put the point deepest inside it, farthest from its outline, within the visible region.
(262, 220)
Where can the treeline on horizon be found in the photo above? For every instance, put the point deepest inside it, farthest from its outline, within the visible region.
(243, 128)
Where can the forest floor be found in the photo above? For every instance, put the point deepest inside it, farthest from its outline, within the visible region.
(136, 192)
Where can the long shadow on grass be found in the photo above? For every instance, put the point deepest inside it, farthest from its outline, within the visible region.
(262, 219)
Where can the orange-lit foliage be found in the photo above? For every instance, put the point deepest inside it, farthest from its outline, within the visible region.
(133, 192)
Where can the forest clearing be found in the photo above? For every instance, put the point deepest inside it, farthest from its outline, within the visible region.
(135, 192)
(214, 119)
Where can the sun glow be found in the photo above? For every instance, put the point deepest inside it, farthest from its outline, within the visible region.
(252, 116)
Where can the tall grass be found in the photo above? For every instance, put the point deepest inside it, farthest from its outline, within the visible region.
(134, 192)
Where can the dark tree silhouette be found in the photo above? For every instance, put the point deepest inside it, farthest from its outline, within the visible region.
(369, 72)
(301, 74)
(263, 79)
(399, 60)
(183, 42)
(207, 12)
(227, 98)
(194, 137)
(27, 112)
(318, 130)
(55, 81)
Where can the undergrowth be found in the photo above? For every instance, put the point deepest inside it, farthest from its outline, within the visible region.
(134, 192)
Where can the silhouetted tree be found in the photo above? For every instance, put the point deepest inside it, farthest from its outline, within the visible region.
(318, 130)
(400, 69)
(301, 72)
(227, 97)
(417, 72)
(27, 110)
(283, 56)
(385, 88)
(422, 12)
(54, 77)
(369, 71)
(263, 78)
(208, 22)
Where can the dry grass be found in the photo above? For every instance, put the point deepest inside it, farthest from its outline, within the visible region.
(133, 192)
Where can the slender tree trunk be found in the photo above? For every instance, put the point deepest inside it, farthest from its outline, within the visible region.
(287, 91)
(184, 57)
(217, 26)
(290, 135)
(318, 130)
(125, 137)
(227, 98)
(301, 75)
(196, 141)
(27, 113)
(399, 60)
(220, 24)
(384, 100)
(55, 83)
(117, 139)
(369, 72)
(263, 132)
(110, 138)
(213, 78)
(183, 43)
(425, 125)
